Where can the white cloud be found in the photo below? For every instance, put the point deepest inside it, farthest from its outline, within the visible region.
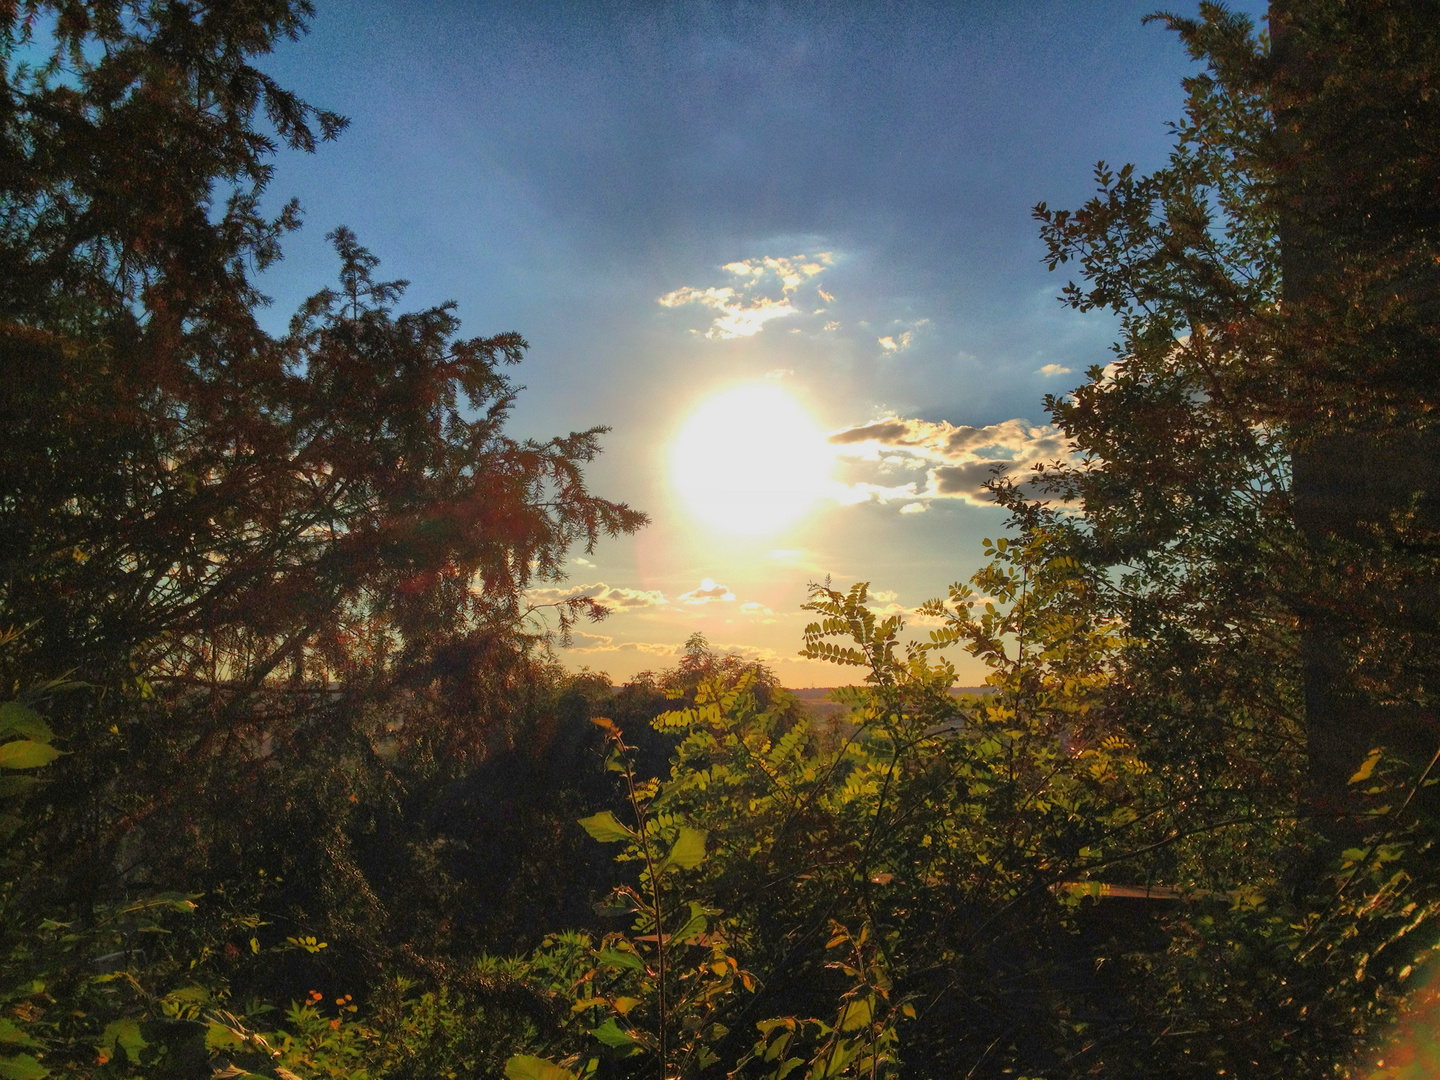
(578, 561)
(707, 593)
(1052, 369)
(755, 610)
(896, 344)
(956, 460)
(620, 599)
(914, 508)
(610, 645)
(744, 309)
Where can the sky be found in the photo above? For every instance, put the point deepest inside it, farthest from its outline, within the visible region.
(784, 251)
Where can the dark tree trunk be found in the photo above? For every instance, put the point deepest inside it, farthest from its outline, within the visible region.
(1353, 197)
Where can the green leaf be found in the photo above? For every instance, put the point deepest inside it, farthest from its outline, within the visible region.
(525, 1067)
(21, 1067)
(606, 828)
(23, 720)
(12, 1034)
(222, 1037)
(688, 851)
(616, 958)
(26, 754)
(857, 1014)
(612, 1034)
(693, 928)
(125, 1034)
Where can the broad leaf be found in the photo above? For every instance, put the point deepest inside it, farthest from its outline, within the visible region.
(612, 1034)
(689, 849)
(25, 754)
(606, 828)
(857, 1014)
(22, 720)
(525, 1067)
(13, 1035)
(616, 958)
(21, 1067)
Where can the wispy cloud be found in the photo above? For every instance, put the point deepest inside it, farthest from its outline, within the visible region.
(707, 593)
(896, 344)
(600, 643)
(956, 460)
(746, 306)
(617, 599)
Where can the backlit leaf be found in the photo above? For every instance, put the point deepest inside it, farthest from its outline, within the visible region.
(525, 1067)
(605, 827)
(1368, 767)
(612, 1034)
(688, 851)
(26, 754)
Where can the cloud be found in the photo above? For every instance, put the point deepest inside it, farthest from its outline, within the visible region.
(892, 344)
(610, 645)
(956, 460)
(744, 308)
(1052, 369)
(578, 561)
(707, 593)
(614, 598)
(755, 610)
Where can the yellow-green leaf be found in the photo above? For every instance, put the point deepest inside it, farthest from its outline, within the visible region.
(12, 1034)
(21, 1067)
(617, 958)
(688, 851)
(26, 754)
(605, 827)
(126, 1034)
(857, 1014)
(612, 1034)
(525, 1067)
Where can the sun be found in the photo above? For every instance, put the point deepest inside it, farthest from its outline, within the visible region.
(751, 461)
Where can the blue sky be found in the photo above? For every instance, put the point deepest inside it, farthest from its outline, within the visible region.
(716, 223)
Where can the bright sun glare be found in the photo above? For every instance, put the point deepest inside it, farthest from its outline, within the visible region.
(751, 461)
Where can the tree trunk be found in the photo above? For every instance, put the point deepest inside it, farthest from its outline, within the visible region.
(1366, 461)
